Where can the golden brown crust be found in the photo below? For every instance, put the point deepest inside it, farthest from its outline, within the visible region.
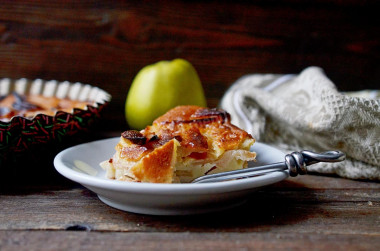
(157, 167)
(184, 137)
(191, 123)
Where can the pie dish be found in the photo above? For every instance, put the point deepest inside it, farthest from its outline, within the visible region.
(27, 136)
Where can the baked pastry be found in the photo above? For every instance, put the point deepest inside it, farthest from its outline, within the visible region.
(28, 106)
(185, 143)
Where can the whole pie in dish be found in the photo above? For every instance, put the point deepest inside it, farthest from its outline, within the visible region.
(28, 106)
(185, 143)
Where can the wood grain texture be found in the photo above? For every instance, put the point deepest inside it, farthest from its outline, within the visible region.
(105, 43)
(312, 212)
(315, 205)
(57, 240)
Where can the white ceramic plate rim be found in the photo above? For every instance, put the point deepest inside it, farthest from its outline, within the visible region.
(64, 167)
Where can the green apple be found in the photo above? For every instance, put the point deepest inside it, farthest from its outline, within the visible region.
(159, 87)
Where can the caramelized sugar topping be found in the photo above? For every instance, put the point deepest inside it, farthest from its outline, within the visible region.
(192, 126)
(134, 136)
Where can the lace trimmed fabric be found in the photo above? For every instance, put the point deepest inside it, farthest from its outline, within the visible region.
(306, 112)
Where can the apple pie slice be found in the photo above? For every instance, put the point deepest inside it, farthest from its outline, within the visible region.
(185, 143)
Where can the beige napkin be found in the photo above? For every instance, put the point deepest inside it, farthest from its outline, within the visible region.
(306, 112)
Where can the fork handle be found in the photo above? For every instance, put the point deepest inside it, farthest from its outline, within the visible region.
(297, 161)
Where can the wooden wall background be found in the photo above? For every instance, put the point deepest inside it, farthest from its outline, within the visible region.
(105, 43)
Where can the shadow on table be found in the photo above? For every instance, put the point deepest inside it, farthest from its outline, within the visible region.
(270, 206)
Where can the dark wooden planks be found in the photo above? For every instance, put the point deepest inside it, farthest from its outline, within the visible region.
(106, 43)
(58, 240)
(315, 205)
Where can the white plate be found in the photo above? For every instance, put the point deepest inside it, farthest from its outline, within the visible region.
(81, 164)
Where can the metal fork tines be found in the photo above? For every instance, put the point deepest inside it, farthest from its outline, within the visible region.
(295, 163)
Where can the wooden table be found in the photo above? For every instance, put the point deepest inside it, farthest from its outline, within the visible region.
(308, 212)
(105, 43)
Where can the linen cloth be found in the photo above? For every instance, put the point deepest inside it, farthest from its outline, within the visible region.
(307, 112)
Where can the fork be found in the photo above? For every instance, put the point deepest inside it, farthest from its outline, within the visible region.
(295, 163)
